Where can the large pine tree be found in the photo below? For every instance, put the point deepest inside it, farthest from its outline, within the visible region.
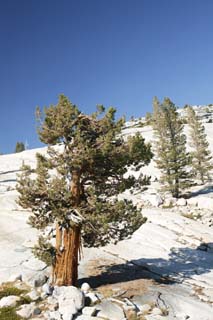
(172, 158)
(75, 186)
(201, 156)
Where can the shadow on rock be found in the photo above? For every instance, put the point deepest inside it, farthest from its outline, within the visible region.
(182, 263)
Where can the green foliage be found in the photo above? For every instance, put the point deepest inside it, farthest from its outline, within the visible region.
(93, 150)
(19, 147)
(45, 251)
(6, 291)
(148, 118)
(110, 222)
(201, 156)
(9, 313)
(172, 158)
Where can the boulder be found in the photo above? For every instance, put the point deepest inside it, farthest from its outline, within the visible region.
(34, 295)
(154, 199)
(52, 315)
(26, 310)
(192, 201)
(15, 277)
(69, 293)
(109, 310)
(92, 297)
(46, 288)
(169, 202)
(89, 311)
(52, 303)
(70, 300)
(40, 280)
(86, 317)
(9, 301)
(157, 311)
(205, 203)
(144, 309)
(149, 298)
(36, 311)
(34, 264)
(85, 287)
(181, 202)
(159, 317)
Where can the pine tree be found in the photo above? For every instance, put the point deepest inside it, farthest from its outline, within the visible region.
(201, 156)
(76, 184)
(172, 158)
(19, 147)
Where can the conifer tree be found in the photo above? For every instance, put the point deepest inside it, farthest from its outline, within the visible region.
(19, 147)
(201, 156)
(172, 158)
(75, 186)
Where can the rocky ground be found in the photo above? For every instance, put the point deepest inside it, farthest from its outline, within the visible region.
(164, 271)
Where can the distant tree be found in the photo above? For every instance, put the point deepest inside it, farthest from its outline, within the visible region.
(186, 106)
(172, 158)
(19, 147)
(201, 156)
(148, 118)
(80, 197)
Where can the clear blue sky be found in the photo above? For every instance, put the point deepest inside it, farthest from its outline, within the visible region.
(114, 52)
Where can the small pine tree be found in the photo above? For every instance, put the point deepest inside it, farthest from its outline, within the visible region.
(80, 197)
(19, 147)
(201, 156)
(148, 118)
(172, 158)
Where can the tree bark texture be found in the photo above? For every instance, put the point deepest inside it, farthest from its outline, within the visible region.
(68, 244)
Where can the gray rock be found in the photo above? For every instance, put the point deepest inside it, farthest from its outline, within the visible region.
(70, 300)
(158, 317)
(44, 295)
(181, 202)
(34, 295)
(86, 317)
(36, 311)
(144, 309)
(157, 312)
(109, 310)
(69, 293)
(192, 201)
(15, 277)
(53, 303)
(155, 200)
(40, 280)
(149, 298)
(26, 310)
(53, 315)
(46, 288)
(85, 287)
(89, 311)
(92, 296)
(34, 264)
(9, 301)
(67, 309)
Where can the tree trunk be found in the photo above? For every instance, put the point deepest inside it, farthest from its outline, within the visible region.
(68, 244)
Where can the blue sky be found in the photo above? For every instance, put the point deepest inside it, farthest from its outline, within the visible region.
(111, 52)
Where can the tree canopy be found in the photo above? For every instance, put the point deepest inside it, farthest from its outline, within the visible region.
(172, 158)
(77, 182)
